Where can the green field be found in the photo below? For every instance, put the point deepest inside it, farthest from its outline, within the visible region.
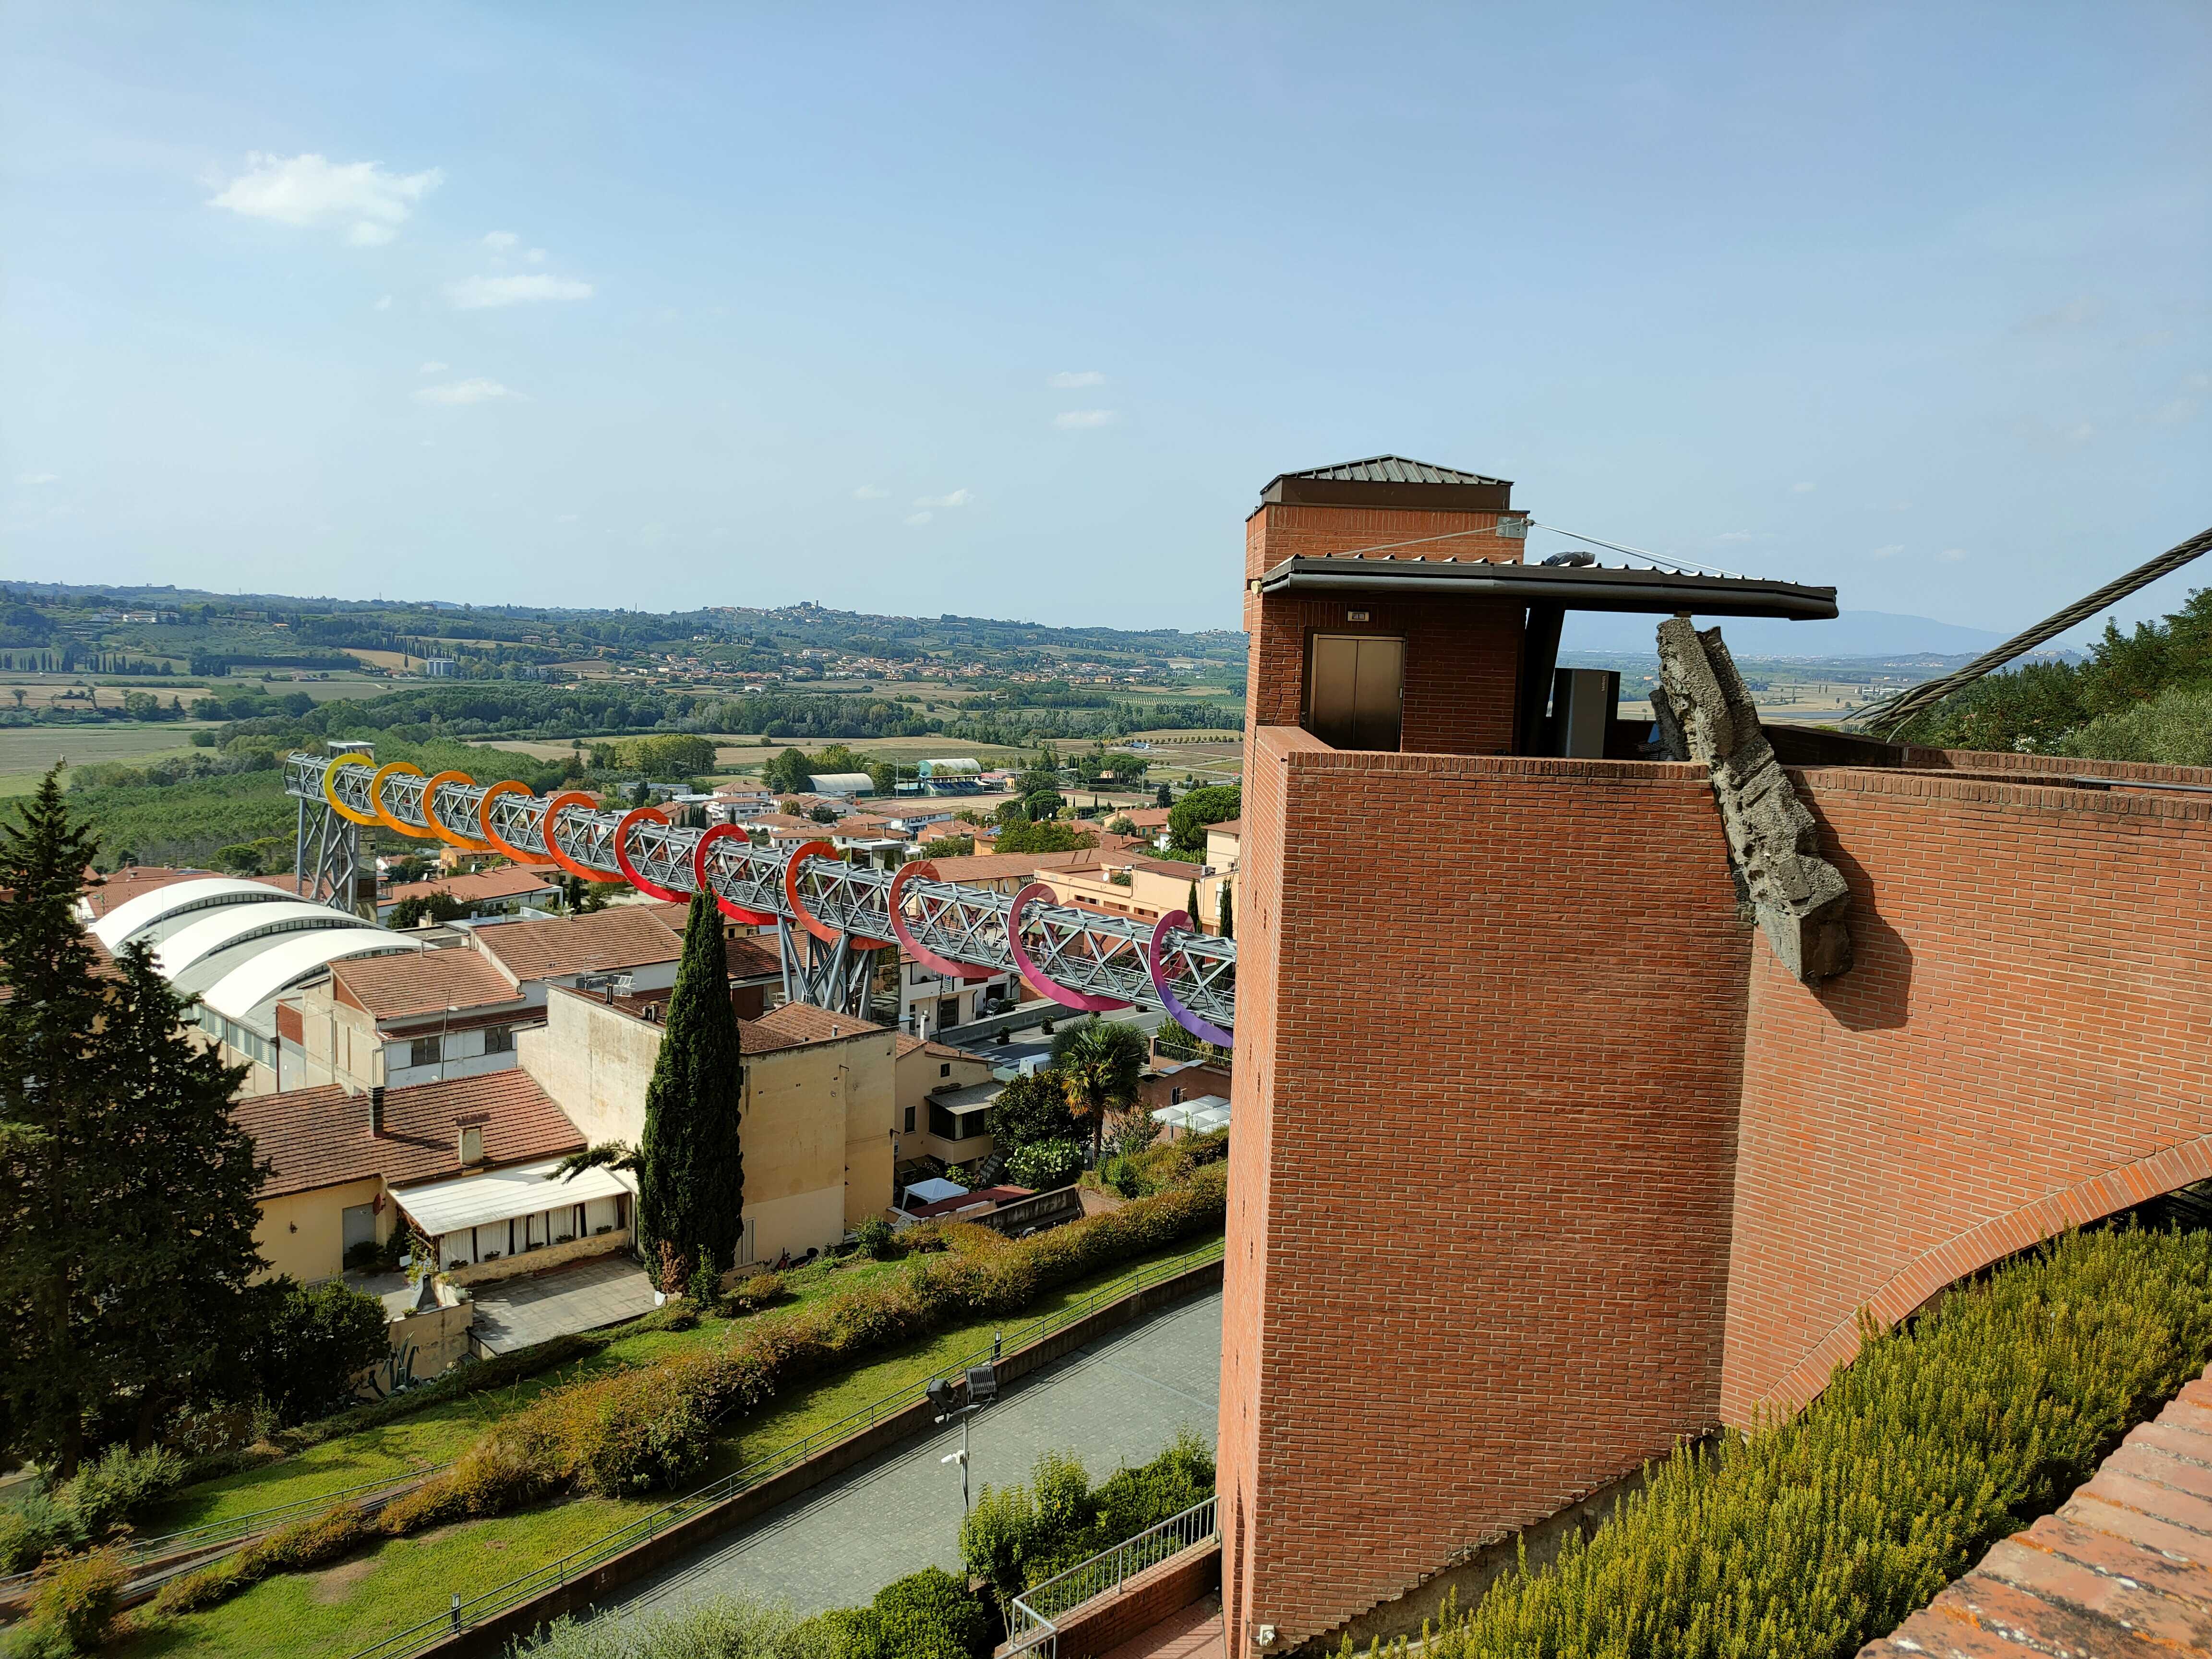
(26, 751)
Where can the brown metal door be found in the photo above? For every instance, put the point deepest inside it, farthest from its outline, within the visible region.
(1355, 690)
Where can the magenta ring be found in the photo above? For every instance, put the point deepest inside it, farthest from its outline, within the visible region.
(943, 966)
(1038, 982)
(1177, 1011)
(734, 912)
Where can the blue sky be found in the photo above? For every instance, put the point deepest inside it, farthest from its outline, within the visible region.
(1012, 311)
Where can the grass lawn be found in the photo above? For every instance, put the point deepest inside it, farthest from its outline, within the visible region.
(327, 1614)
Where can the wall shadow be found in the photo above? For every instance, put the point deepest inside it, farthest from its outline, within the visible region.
(1876, 994)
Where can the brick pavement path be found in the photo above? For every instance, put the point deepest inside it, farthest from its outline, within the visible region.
(517, 1312)
(1121, 1399)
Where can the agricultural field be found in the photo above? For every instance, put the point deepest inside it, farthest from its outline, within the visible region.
(26, 751)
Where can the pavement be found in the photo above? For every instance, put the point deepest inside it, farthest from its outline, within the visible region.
(1119, 1400)
(513, 1313)
(1195, 1632)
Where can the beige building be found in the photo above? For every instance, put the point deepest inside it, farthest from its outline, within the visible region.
(816, 1121)
(926, 1070)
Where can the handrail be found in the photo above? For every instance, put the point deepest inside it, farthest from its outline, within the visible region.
(1030, 1616)
(465, 1612)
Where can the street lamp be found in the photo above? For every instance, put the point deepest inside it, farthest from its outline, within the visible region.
(963, 1396)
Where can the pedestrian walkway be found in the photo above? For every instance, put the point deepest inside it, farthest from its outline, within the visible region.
(1119, 1400)
(1195, 1633)
(514, 1313)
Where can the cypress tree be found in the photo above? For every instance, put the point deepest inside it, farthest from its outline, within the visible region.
(1228, 911)
(691, 1177)
(1190, 908)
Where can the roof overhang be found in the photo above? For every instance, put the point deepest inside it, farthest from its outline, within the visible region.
(1490, 496)
(459, 1202)
(1587, 588)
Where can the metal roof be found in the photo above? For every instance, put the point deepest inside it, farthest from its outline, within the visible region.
(1392, 469)
(134, 916)
(286, 961)
(234, 924)
(478, 1200)
(1585, 588)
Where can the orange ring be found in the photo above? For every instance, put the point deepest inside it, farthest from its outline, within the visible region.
(821, 930)
(734, 912)
(452, 838)
(376, 798)
(650, 889)
(560, 803)
(329, 794)
(499, 843)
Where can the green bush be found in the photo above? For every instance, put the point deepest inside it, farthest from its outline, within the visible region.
(119, 1485)
(34, 1527)
(724, 1628)
(1819, 1534)
(2174, 729)
(308, 1343)
(925, 1615)
(316, 1541)
(76, 1600)
(1018, 1536)
(1044, 1165)
(873, 1235)
(754, 1292)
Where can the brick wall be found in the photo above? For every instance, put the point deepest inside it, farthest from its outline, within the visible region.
(1485, 1107)
(2025, 1042)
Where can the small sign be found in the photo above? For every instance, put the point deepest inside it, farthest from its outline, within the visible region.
(1355, 616)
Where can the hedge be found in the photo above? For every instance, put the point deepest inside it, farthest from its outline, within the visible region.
(648, 1427)
(1018, 1536)
(1817, 1534)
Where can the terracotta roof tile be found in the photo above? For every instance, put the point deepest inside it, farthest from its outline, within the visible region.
(996, 866)
(320, 1138)
(510, 883)
(627, 936)
(798, 1023)
(423, 982)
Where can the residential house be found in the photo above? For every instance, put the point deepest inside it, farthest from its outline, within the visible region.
(341, 1158)
(922, 1068)
(487, 893)
(816, 1115)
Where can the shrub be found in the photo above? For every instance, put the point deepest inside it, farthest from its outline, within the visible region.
(308, 1343)
(1044, 1164)
(754, 1292)
(313, 1543)
(76, 1599)
(1018, 1536)
(1123, 1175)
(1821, 1533)
(121, 1484)
(724, 1628)
(925, 1615)
(873, 1235)
(705, 1285)
(34, 1527)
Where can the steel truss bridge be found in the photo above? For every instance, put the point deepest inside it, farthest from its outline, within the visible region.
(831, 918)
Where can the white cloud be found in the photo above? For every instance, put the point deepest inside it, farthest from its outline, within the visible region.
(482, 293)
(1069, 381)
(499, 240)
(1888, 552)
(1077, 419)
(920, 517)
(1736, 535)
(1805, 488)
(464, 392)
(383, 303)
(1954, 555)
(37, 478)
(958, 498)
(869, 493)
(432, 369)
(536, 256)
(312, 192)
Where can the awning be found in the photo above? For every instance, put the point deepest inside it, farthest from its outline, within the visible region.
(1587, 587)
(477, 1200)
(932, 1192)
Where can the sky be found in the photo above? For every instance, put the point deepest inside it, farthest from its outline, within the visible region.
(1012, 311)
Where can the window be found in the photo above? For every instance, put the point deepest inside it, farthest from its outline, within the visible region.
(909, 1120)
(499, 1039)
(423, 1051)
(1174, 1096)
(941, 1124)
(1355, 685)
(944, 1068)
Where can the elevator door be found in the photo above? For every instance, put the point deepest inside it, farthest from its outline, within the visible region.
(1355, 688)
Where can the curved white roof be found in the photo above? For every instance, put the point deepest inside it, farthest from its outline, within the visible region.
(233, 924)
(255, 981)
(134, 916)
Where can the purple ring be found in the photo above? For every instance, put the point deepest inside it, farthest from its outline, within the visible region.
(1204, 1030)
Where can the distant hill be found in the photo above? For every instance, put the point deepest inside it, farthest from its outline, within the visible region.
(1854, 634)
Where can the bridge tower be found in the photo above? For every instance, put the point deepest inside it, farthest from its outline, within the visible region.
(326, 862)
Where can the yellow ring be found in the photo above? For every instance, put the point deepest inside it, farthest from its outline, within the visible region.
(376, 797)
(329, 794)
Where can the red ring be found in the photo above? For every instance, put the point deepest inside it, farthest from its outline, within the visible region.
(821, 930)
(650, 889)
(560, 803)
(734, 912)
(928, 958)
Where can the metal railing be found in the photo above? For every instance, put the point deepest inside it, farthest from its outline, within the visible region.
(1032, 1616)
(471, 1610)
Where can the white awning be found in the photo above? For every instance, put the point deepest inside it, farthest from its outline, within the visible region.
(1212, 1118)
(477, 1200)
(1173, 1117)
(289, 960)
(134, 916)
(932, 1192)
(234, 924)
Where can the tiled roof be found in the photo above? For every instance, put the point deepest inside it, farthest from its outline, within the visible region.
(627, 936)
(991, 1195)
(782, 821)
(798, 1023)
(1394, 469)
(320, 1138)
(422, 982)
(2123, 1567)
(991, 866)
(510, 883)
(128, 884)
(1228, 826)
(1151, 817)
(906, 1043)
(753, 957)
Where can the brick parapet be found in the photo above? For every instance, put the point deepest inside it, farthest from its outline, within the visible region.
(1479, 1189)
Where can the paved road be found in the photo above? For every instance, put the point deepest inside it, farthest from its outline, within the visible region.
(1119, 1400)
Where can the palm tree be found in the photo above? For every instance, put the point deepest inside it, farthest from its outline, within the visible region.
(1099, 1064)
(616, 1155)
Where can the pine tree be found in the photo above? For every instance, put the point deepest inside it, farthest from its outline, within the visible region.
(691, 1181)
(183, 1208)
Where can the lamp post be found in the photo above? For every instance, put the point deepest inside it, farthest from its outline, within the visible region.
(963, 1396)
